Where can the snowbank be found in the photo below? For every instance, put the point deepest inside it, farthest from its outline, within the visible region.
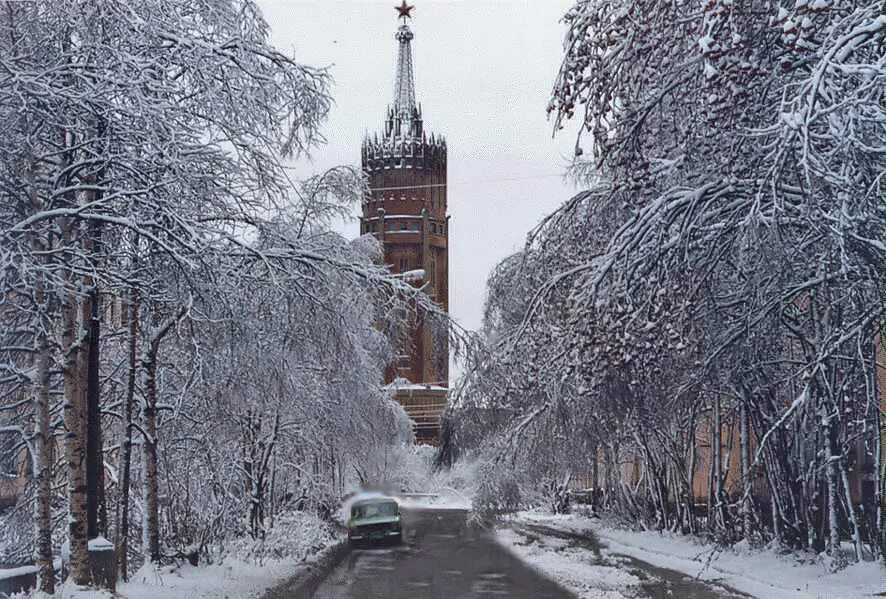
(297, 541)
(764, 574)
(20, 571)
(570, 567)
(233, 579)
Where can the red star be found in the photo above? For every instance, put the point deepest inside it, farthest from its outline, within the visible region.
(404, 10)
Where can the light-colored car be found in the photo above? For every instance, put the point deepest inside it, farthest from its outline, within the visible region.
(375, 520)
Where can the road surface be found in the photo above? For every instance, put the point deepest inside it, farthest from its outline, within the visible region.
(442, 557)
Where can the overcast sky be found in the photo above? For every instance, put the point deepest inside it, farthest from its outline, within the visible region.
(484, 71)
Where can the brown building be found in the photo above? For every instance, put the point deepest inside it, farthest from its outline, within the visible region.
(406, 209)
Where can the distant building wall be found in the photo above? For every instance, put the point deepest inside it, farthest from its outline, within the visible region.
(425, 406)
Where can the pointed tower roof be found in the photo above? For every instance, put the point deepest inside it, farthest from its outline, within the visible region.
(404, 80)
(402, 138)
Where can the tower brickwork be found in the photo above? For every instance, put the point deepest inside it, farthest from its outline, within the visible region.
(406, 209)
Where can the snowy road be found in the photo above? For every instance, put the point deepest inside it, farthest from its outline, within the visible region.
(443, 557)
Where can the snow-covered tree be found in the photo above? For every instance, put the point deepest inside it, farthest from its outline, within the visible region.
(141, 174)
(722, 273)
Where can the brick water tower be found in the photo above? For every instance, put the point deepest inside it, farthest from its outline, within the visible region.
(406, 210)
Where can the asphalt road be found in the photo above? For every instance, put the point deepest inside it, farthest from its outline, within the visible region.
(442, 557)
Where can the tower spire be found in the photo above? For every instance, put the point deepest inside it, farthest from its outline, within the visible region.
(404, 82)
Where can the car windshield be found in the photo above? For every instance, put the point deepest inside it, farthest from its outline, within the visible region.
(373, 510)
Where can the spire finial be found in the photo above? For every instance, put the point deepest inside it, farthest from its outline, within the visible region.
(404, 10)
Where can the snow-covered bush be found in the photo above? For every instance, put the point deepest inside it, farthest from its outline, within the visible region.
(498, 492)
(557, 494)
(295, 535)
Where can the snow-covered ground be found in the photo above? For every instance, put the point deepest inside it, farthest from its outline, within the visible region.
(234, 579)
(763, 574)
(246, 570)
(571, 567)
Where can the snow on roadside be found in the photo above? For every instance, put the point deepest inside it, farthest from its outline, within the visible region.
(249, 568)
(570, 567)
(762, 574)
(297, 540)
(233, 579)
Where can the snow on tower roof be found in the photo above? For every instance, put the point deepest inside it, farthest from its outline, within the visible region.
(403, 143)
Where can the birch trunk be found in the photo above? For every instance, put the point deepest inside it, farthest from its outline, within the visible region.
(96, 514)
(75, 437)
(776, 529)
(746, 507)
(690, 476)
(833, 523)
(879, 463)
(716, 440)
(43, 457)
(151, 533)
(595, 478)
(43, 441)
(850, 511)
(126, 440)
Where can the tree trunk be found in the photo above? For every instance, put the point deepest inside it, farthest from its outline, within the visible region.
(746, 506)
(595, 479)
(43, 451)
(95, 479)
(717, 470)
(833, 523)
(272, 491)
(850, 511)
(690, 480)
(75, 437)
(151, 533)
(126, 439)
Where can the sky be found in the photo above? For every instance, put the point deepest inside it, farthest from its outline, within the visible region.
(484, 71)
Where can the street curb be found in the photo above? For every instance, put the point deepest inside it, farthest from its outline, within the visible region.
(306, 581)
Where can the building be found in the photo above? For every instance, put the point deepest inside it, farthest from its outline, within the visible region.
(406, 209)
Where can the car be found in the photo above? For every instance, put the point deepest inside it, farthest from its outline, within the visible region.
(375, 520)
